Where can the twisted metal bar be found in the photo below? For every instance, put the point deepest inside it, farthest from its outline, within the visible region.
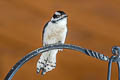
(34, 53)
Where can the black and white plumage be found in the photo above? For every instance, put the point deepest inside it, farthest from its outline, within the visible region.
(54, 32)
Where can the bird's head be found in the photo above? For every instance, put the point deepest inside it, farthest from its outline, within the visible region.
(58, 16)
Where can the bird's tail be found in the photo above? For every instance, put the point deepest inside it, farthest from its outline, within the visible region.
(47, 61)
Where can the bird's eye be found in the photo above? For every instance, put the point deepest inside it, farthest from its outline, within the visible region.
(56, 16)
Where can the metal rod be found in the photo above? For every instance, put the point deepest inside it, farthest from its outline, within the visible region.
(34, 53)
(116, 52)
(118, 63)
(109, 68)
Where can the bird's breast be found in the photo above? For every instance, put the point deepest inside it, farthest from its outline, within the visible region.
(54, 33)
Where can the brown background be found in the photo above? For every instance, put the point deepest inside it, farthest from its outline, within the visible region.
(92, 24)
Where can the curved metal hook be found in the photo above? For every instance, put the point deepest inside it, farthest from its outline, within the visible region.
(34, 53)
(109, 67)
(116, 53)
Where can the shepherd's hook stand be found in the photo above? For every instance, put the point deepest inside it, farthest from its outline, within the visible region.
(114, 58)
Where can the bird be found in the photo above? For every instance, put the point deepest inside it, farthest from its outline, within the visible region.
(54, 32)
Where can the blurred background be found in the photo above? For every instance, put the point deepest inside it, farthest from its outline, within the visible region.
(92, 24)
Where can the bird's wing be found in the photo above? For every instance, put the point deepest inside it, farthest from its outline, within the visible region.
(44, 31)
